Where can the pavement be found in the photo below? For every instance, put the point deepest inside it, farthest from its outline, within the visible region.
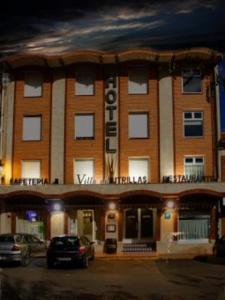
(108, 278)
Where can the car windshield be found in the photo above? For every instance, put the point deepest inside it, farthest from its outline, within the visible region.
(6, 239)
(65, 242)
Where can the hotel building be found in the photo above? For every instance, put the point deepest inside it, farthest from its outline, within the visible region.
(113, 145)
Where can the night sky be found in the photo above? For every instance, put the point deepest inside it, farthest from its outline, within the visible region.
(56, 27)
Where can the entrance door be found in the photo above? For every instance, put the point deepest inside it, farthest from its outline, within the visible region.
(131, 221)
(146, 223)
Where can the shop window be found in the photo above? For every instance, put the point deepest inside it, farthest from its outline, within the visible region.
(191, 81)
(138, 168)
(83, 171)
(84, 84)
(138, 125)
(193, 226)
(84, 126)
(31, 169)
(32, 128)
(194, 167)
(193, 124)
(138, 81)
(33, 82)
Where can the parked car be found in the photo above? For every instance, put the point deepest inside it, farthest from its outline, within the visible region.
(19, 247)
(219, 247)
(110, 246)
(70, 249)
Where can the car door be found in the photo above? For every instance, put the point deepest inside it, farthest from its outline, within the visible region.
(37, 246)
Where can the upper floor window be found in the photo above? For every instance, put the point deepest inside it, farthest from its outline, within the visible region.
(138, 167)
(84, 84)
(83, 171)
(32, 128)
(194, 166)
(84, 126)
(138, 81)
(138, 125)
(193, 124)
(31, 169)
(191, 80)
(33, 82)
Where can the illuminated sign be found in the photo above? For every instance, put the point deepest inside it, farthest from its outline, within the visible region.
(28, 181)
(187, 179)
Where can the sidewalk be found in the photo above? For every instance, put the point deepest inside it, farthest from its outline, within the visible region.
(141, 256)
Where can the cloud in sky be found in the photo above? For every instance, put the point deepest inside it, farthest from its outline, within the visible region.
(110, 25)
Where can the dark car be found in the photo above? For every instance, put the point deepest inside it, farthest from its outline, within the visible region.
(19, 247)
(70, 249)
(219, 247)
(110, 246)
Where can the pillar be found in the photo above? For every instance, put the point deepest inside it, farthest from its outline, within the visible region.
(213, 223)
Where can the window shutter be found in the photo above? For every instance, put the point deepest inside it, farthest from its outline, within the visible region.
(32, 128)
(31, 169)
(33, 84)
(138, 81)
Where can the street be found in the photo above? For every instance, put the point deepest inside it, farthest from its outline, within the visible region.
(115, 279)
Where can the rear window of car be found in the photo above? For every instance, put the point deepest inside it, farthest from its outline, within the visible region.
(6, 239)
(68, 242)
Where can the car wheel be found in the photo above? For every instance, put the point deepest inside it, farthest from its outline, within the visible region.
(84, 262)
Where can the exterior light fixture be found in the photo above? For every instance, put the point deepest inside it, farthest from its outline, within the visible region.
(170, 204)
(55, 205)
(112, 205)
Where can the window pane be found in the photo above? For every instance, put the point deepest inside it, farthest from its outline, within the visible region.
(199, 160)
(138, 168)
(138, 81)
(189, 160)
(188, 115)
(31, 169)
(194, 169)
(138, 125)
(31, 128)
(198, 115)
(83, 169)
(33, 84)
(84, 84)
(84, 126)
(193, 226)
(193, 129)
(191, 81)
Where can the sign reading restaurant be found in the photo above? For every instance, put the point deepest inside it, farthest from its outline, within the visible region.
(187, 179)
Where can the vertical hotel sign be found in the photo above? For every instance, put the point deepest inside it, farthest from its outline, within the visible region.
(111, 126)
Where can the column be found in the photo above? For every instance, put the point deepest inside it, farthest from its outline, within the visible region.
(120, 225)
(213, 223)
(7, 146)
(66, 222)
(57, 127)
(13, 223)
(158, 224)
(166, 123)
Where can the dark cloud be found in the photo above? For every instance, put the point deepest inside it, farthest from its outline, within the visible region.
(60, 26)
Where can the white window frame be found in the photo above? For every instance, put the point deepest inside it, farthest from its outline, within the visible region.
(140, 69)
(192, 120)
(194, 157)
(93, 126)
(201, 240)
(75, 180)
(30, 161)
(79, 91)
(24, 134)
(33, 94)
(185, 70)
(143, 158)
(147, 125)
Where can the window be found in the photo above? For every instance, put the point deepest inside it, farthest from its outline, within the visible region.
(193, 124)
(194, 167)
(33, 82)
(32, 128)
(84, 84)
(83, 171)
(138, 125)
(138, 81)
(31, 169)
(138, 168)
(191, 79)
(193, 226)
(84, 126)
